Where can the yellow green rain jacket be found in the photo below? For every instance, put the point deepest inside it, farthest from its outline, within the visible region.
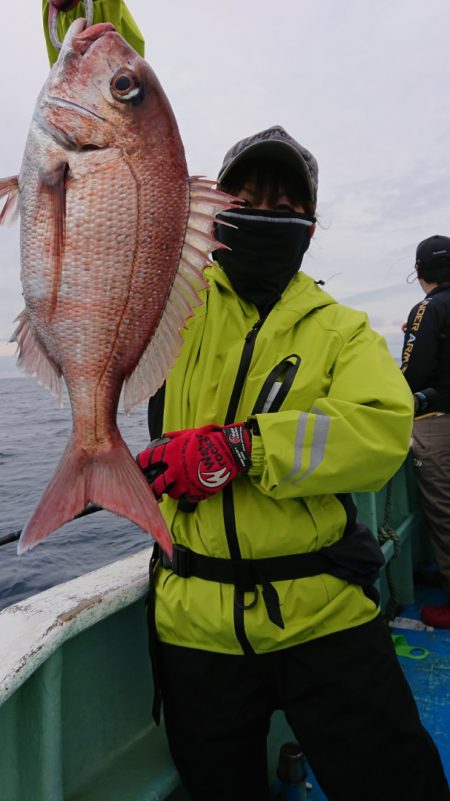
(340, 423)
(331, 414)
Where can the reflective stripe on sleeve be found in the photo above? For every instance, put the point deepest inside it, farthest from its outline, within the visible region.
(317, 447)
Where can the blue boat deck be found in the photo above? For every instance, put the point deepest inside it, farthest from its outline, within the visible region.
(429, 678)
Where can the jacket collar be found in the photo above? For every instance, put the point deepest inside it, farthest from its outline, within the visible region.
(301, 296)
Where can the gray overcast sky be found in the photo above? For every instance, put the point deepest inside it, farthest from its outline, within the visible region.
(362, 83)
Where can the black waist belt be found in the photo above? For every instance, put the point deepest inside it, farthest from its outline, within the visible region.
(244, 573)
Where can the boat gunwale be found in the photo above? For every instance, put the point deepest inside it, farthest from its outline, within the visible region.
(46, 620)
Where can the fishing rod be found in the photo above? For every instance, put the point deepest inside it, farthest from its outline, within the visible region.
(14, 535)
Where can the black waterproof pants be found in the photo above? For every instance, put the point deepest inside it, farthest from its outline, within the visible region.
(345, 698)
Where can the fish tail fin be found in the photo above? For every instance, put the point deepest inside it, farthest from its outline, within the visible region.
(110, 479)
(116, 483)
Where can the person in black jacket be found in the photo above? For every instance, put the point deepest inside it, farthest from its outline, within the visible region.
(426, 367)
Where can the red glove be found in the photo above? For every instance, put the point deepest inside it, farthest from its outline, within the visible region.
(197, 462)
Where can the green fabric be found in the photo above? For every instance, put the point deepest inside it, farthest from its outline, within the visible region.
(114, 11)
(344, 427)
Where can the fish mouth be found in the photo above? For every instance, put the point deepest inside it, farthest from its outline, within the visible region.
(80, 36)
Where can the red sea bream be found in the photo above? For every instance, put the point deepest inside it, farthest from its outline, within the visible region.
(114, 236)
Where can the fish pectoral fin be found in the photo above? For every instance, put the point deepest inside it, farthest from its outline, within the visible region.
(9, 189)
(199, 241)
(33, 359)
(52, 203)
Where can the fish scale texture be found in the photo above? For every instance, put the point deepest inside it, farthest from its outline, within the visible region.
(117, 266)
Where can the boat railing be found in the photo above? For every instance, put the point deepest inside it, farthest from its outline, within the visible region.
(394, 515)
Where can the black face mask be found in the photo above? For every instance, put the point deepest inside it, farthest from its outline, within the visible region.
(267, 250)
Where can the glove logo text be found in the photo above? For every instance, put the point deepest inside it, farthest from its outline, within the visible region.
(213, 478)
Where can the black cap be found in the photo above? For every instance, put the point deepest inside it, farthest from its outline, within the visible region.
(433, 252)
(276, 143)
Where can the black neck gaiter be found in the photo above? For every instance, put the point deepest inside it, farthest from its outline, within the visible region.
(267, 249)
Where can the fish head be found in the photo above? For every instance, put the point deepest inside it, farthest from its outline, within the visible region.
(101, 93)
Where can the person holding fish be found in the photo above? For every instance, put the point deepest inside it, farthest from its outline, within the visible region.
(280, 404)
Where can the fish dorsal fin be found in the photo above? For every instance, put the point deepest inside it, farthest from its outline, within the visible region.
(160, 355)
(9, 188)
(34, 359)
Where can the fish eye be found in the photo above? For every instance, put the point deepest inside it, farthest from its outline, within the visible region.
(125, 85)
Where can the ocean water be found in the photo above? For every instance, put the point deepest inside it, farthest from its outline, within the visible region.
(33, 434)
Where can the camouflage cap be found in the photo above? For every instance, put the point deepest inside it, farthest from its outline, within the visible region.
(276, 143)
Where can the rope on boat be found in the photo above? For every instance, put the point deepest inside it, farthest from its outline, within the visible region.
(386, 533)
(14, 535)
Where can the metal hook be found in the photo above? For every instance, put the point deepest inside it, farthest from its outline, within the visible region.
(53, 21)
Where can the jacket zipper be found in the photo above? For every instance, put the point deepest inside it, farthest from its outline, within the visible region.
(241, 375)
(227, 494)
